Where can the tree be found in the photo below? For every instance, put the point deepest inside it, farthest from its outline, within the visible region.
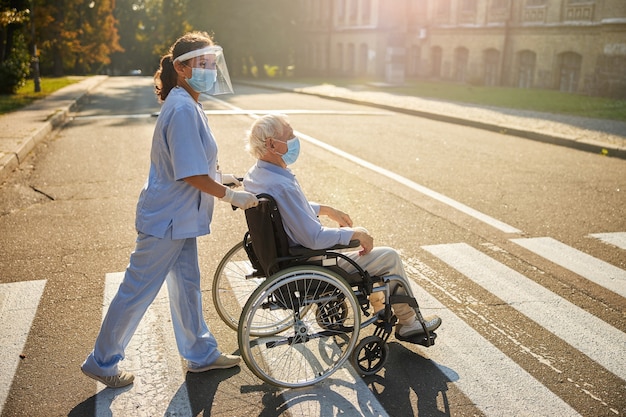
(14, 57)
(258, 32)
(76, 36)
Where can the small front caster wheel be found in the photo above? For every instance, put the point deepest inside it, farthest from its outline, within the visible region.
(370, 355)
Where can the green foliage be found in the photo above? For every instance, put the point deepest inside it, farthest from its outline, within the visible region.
(15, 67)
(26, 95)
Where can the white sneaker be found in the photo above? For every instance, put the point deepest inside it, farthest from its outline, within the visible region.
(414, 329)
(222, 362)
(115, 381)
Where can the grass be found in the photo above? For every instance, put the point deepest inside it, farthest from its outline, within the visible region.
(26, 95)
(549, 101)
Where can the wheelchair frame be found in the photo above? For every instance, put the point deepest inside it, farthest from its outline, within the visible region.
(296, 312)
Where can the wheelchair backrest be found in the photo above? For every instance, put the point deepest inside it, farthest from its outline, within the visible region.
(269, 240)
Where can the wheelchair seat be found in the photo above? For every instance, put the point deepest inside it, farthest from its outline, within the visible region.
(270, 244)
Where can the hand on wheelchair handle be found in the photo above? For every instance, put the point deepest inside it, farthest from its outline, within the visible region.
(241, 199)
(231, 180)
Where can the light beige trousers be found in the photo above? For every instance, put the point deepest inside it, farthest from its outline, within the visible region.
(384, 261)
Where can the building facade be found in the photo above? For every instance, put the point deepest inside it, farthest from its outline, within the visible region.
(575, 46)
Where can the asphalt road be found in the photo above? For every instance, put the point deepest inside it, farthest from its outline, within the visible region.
(518, 245)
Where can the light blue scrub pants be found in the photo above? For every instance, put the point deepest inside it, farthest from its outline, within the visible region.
(154, 261)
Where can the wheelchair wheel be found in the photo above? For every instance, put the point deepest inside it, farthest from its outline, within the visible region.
(231, 288)
(324, 321)
(370, 355)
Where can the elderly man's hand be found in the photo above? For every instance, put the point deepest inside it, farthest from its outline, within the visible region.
(342, 219)
(367, 241)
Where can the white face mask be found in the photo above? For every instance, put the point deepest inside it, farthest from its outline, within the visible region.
(202, 79)
(293, 151)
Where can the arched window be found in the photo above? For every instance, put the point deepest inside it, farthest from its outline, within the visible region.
(461, 62)
(362, 59)
(569, 71)
(491, 65)
(526, 69)
(435, 61)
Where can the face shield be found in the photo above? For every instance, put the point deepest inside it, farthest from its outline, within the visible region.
(212, 58)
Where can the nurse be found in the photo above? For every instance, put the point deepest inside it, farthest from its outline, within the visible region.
(174, 208)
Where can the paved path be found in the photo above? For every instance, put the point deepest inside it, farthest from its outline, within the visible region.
(22, 130)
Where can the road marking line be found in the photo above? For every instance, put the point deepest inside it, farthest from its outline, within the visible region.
(491, 380)
(18, 306)
(585, 332)
(593, 269)
(152, 356)
(616, 239)
(395, 177)
(238, 111)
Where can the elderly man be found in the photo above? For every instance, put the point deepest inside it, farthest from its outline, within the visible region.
(272, 142)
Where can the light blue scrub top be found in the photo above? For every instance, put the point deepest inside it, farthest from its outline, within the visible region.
(182, 146)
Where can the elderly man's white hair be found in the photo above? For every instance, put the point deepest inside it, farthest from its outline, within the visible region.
(268, 126)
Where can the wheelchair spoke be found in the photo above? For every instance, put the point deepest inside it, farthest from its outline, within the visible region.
(324, 320)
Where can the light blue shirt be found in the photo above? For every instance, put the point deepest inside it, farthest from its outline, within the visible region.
(300, 217)
(182, 146)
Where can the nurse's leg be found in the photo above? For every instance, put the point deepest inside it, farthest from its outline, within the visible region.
(148, 267)
(195, 342)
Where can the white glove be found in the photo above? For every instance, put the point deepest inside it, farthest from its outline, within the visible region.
(230, 180)
(242, 199)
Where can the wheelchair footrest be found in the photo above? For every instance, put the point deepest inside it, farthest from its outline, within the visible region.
(419, 339)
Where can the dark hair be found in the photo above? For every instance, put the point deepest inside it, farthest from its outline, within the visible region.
(166, 76)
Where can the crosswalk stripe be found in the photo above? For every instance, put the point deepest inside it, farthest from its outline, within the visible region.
(480, 370)
(617, 238)
(593, 269)
(590, 335)
(159, 387)
(18, 305)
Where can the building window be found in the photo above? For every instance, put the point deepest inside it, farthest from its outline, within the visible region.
(468, 6)
(526, 69)
(443, 11)
(354, 9)
(362, 69)
(340, 68)
(569, 71)
(579, 11)
(534, 11)
(467, 13)
(461, 61)
(351, 55)
(366, 12)
(491, 62)
(435, 61)
(415, 56)
(341, 10)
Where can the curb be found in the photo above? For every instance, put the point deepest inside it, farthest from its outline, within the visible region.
(587, 146)
(56, 118)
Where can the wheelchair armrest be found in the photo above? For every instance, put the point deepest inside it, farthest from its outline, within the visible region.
(302, 251)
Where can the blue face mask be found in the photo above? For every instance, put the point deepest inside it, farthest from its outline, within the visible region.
(293, 150)
(202, 79)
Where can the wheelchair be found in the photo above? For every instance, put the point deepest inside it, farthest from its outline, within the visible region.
(297, 313)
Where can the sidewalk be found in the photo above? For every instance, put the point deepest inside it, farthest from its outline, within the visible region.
(607, 137)
(22, 130)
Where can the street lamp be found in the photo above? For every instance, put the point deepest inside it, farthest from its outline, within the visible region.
(35, 58)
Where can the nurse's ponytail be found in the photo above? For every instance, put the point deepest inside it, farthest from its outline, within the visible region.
(165, 78)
